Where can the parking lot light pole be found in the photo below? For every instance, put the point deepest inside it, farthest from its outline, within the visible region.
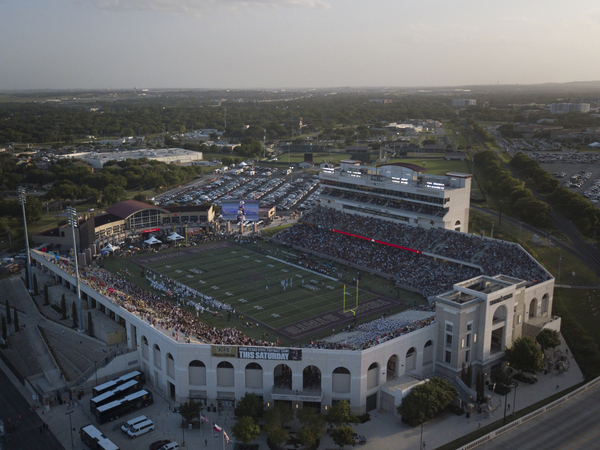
(22, 201)
(515, 398)
(71, 427)
(74, 222)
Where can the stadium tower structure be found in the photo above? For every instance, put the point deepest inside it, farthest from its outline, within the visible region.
(399, 192)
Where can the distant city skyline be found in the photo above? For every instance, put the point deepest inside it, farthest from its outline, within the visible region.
(253, 44)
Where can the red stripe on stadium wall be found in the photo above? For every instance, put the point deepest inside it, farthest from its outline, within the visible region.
(378, 242)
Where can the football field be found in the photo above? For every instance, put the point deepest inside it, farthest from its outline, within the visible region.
(293, 301)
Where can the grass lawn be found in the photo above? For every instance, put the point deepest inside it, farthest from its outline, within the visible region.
(584, 306)
(239, 276)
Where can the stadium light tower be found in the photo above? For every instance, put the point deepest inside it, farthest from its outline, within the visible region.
(73, 222)
(22, 201)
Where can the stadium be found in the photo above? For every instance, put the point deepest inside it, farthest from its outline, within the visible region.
(342, 342)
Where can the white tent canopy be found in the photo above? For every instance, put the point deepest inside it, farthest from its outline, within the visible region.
(153, 240)
(109, 248)
(174, 237)
(594, 144)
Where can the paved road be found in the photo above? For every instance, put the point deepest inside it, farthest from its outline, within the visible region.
(27, 435)
(572, 425)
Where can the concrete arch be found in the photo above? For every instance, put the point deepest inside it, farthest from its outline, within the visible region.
(311, 378)
(225, 374)
(533, 306)
(170, 365)
(340, 380)
(145, 351)
(197, 373)
(282, 376)
(254, 376)
(500, 313)
(156, 354)
(373, 376)
(545, 304)
(392, 368)
(411, 360)
(428, 352)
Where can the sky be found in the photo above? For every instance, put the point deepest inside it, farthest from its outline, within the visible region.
(256, 44)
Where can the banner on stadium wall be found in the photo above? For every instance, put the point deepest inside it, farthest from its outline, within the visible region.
(281, 354)
(223, 350)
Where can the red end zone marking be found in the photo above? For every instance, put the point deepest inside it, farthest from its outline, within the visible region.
(378, 242)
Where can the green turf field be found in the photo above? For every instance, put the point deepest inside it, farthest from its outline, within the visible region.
(251, 283)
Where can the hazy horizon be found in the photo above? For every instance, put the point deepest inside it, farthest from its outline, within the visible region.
(294, 44)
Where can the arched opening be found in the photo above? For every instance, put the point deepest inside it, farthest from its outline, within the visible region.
(157, 356)
(545, 304)
(428, 352)
(225, 374)
(254, 376)
(340, 380)
(282, 377)
(311, 378)
(500, 314)
(170, 366)
(373, 376)
(411, 360)
(145, 348)
(533, 305)
(498, 335)
(457, 225)
(197, 372)
(392, 366)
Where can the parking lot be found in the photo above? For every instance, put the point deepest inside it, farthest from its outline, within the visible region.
(579, 172)
(285, 189)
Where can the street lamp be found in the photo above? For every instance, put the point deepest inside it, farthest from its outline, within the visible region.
(513, 384)
(74, 222)
(71, 427)
(421, 445)
(22, 201)
(515, 398)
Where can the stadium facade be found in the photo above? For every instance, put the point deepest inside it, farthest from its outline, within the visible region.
(474, 323)
(402, 193)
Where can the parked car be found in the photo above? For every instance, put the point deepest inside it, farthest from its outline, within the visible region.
(359, 439)
(158, 444)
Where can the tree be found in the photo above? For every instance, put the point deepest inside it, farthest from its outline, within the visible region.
(469, 376)
(190, 410)
(90, 324)
(548, 338)
(342, 436)
(480, 385)
(63, 306)
(74, 313)
(245, 429)
(8, 316)
(113, 194)
(275, 419)
(4, 330)
(341, 414)
(314, 425)
(17, 328)
(250, 405)
(426, 401)
(524, 355)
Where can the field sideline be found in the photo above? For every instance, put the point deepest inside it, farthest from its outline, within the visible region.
(251, 283)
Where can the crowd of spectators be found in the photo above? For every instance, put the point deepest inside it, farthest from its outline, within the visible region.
(428, 274)
(160, 312)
